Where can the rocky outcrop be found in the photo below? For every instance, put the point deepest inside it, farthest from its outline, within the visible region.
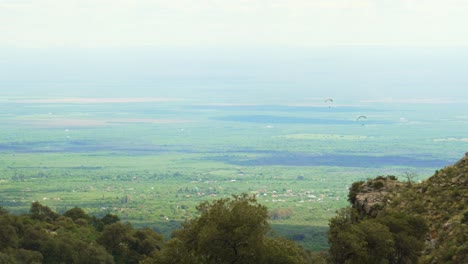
(375, 194)
(442, 200)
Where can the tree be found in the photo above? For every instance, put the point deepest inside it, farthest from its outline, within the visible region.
(105, 220)
(116, 238)
(175, 251)
(42, 213)
(20, 256)
(408, 232)
(388, 238)
(110, 219)
(34, 236)
(77, 213)
(8, 234)
(345, 239)
(146, 241)
(366, 242)
(380, 243)
(69, 249)
(230, 230)
(280, 250)
(128, 245)
(3, 211)
(354, 190)
(410, 176)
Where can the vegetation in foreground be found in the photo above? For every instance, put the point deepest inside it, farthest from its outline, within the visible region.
(43, 236)
(404, 222)
(230, 230)
(133, 160)
(389, 222)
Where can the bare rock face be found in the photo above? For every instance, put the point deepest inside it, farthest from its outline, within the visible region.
(375, 194)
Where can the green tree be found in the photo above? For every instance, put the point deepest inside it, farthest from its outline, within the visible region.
(354, 190)
(389, 238)
(42, 213)
(146, 241)
(380, 244)
(70, 249)
(20, 256)
(280, 250)
(128, 245)
(110, 219)
(77, 213)
(116, 239)
(230, 230)
(105, 220)
(8, 234)
(3, 211)
(347, 241)
(408, 232)
(175, 251)
(34, 236)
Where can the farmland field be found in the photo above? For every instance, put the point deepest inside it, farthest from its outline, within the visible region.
(151, 161)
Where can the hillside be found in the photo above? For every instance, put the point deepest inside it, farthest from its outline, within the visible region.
(441, 201)
(389, 221)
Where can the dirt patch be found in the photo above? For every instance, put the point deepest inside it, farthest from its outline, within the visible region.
(79, 100)
(69, 122)
(145, 120)
(65, 123)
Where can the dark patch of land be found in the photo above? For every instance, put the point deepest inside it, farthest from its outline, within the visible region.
(338, 160)
(285, 108)
(273, 119)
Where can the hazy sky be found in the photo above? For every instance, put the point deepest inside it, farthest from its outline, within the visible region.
(123, 23)
(408, 47)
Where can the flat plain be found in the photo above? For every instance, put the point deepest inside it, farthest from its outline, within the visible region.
(152, 160)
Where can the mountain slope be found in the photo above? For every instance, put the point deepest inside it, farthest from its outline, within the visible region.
(441, 201)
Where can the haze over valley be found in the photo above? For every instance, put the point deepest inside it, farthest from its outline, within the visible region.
(146, 112)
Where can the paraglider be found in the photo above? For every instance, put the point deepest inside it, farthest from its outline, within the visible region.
(359, 118)
(328, 101)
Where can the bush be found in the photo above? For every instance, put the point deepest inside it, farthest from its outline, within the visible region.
(378, 185)
(465, 218)
(354, 190)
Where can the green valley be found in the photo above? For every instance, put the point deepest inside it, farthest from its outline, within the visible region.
(152, 161)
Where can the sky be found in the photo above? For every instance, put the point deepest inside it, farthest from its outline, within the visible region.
(244, 44)
(136, 23)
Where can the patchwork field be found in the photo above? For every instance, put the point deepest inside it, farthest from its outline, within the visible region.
(151, 161)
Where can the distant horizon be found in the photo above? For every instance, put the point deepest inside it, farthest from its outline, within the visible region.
(346, 72)
(235, 50)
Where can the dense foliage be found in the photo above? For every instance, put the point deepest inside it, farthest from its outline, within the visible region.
(43, 236)
(391, 238)
(404, 222)
(388, 222)
(231, 230)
